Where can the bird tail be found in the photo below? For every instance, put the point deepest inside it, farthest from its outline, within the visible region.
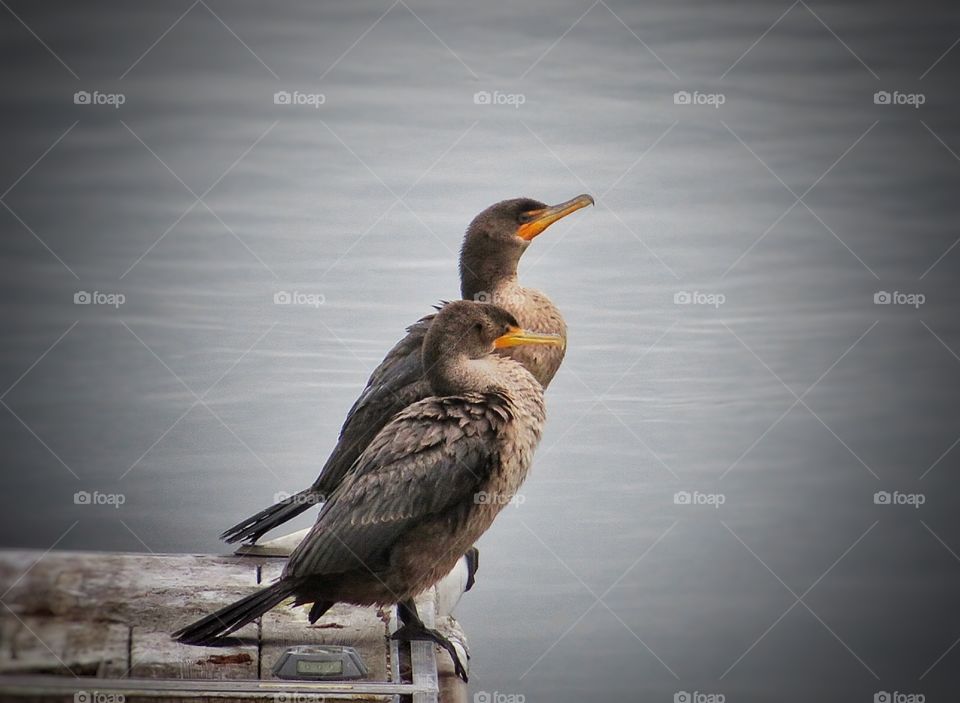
(231, 618)
(253, 528)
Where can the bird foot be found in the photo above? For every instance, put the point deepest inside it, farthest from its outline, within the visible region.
(411, 632)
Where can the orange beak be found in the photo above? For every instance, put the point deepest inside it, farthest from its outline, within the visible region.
(517, 336)
(535, 221)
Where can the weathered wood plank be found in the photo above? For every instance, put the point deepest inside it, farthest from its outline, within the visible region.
(194, 589)
(67, 594)
(135, 589)
(156, 656)
(108, 618)
(365, 629)
(41, 646)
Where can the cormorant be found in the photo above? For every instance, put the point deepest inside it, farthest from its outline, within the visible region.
(492, 247)
(424, 490)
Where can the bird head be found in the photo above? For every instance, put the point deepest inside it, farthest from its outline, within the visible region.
(498, 236)
(469, 330)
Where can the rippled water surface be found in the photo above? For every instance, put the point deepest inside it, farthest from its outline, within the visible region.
(782, 392)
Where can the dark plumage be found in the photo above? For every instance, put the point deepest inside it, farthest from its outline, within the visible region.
(425, 488)
(492, 247)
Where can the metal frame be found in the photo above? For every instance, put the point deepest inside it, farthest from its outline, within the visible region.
(424, 689)
(423, 663)
(30, 686)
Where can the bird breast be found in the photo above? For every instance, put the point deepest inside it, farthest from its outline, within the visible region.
(430, 550)
(537, 313)
(519, 437)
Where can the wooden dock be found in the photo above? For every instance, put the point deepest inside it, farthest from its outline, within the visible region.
(95, 628)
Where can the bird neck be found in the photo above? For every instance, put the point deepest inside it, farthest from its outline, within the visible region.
(458, 374)
(484, 281)
(486, 266)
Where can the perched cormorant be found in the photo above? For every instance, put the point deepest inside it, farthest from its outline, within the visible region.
(492, 247)
(424, 490)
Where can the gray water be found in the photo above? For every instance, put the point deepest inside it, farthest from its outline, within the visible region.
(198, 399)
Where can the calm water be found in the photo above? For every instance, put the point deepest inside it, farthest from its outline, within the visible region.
(198, 399)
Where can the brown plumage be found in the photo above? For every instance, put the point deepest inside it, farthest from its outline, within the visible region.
(426, 487)
(492, 247)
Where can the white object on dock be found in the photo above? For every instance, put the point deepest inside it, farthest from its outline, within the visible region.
(278, 547)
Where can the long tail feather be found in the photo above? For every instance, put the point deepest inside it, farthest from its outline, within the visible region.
(253, 528)
(234, 616)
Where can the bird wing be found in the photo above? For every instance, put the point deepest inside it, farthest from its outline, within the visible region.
(395, 384)
(431, 457)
